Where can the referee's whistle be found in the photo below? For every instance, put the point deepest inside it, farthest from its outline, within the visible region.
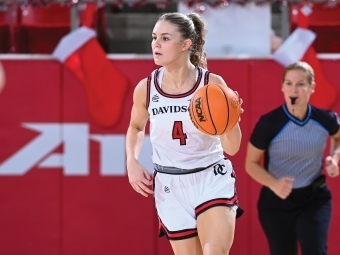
(293, 100)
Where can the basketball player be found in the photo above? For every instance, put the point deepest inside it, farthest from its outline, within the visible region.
(295, 202)
(193, 184)
(2, 77)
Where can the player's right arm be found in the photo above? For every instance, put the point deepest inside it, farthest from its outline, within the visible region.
(139, 177)
(281, 187)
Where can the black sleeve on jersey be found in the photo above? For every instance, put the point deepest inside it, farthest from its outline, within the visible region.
(328, 119)
(268, 126)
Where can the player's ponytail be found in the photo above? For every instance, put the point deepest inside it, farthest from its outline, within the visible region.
(198, 56)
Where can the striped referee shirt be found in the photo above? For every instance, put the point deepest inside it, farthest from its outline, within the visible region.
(293, 147)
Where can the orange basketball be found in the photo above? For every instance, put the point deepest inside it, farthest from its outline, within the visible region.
(214, 109)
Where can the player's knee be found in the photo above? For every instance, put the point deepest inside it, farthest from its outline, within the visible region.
(214, 249)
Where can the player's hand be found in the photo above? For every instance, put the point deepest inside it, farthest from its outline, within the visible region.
(240, 100)
(283, 187)
(332, 167)
(139, 178)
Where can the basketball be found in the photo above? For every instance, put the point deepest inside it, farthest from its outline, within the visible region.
(214, 109)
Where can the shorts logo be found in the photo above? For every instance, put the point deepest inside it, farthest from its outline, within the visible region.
(219, 169)
(167, 189)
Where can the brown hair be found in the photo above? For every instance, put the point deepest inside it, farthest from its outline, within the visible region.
(191, 26)
(300, 65)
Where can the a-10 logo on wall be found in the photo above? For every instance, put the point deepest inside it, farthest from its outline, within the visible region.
(75, 139)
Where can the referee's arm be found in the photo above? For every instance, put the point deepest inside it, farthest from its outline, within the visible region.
(281, 187)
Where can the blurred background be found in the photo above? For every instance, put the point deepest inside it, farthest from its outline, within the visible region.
(63, 117)
(123, 26)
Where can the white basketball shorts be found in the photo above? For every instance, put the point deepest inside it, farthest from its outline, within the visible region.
(180, 198)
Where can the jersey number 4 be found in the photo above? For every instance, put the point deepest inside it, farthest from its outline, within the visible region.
(177, 133)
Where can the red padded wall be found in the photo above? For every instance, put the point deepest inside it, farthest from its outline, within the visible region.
(49, 206)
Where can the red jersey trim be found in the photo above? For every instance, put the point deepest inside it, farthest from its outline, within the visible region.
(148, 84)
(206, 78)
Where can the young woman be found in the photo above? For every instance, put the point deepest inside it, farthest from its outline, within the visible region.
(196, 205)
(295, 202)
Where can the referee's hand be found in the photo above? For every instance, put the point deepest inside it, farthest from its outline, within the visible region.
(332, 167)
(283, 187)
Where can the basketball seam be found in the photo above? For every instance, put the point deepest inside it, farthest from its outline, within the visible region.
(227, 100)
(207, 101)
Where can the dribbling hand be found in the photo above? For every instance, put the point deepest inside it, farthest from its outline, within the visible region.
(240, 102)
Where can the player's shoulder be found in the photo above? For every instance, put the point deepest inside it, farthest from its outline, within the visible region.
(142, 83)
(215, 78)
(140, 90)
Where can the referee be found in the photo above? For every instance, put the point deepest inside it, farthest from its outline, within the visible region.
(294, 204)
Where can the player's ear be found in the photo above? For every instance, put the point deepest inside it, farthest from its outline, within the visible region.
(186, 44)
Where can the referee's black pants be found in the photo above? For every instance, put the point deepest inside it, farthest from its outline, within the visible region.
(304, 218)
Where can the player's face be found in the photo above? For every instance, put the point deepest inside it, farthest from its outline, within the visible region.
(296, 88)
(167, 44)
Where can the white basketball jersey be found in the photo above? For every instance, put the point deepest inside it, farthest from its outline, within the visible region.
(176, 142)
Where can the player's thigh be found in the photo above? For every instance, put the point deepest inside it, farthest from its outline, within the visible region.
(216, 228)
(189, 246)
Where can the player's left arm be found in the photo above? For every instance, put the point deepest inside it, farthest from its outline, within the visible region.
(231, 141)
